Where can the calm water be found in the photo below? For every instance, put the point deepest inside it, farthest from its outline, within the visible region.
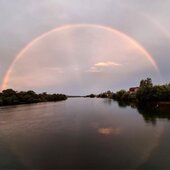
(82, 134)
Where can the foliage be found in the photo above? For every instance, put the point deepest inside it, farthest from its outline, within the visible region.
(107, 94)
(146, 83)
(91, 96)
(126, 96)
(11, 97)
(146, 93)
(150, 93)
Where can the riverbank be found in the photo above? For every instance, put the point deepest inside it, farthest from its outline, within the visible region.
(10, 97)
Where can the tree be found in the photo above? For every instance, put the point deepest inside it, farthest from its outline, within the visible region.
(11, 97)
(146, 83)
(1, 101)
(8, 92)
(120, 94)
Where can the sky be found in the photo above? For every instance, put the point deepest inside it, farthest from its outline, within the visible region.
(79, 47)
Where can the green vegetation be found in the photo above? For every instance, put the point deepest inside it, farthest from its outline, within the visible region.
(124, 95)
(146, 93)
(149, 93)
(107, 94)
(11, 97)
(91, 96)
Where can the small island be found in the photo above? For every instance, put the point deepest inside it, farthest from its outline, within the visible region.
(12, 97)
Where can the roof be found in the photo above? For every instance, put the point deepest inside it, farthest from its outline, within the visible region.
(133, 88)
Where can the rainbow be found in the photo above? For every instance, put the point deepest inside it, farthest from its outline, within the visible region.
(62, 28)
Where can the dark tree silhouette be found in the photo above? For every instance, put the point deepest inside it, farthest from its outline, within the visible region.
(11, 97)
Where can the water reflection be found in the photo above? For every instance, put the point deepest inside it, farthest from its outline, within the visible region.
(123, 104)
(79, 134)
(109, 131)
(150, 113)
(108, 101)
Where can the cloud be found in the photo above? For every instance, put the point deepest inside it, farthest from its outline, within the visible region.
(94, 70)
(99, 67)
(107, 64)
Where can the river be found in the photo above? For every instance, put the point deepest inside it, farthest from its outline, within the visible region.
(82, 133)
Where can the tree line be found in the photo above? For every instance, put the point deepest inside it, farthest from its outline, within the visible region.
(12, 97)
(147, 92)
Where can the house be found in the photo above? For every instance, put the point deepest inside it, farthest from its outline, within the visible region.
(133, 89)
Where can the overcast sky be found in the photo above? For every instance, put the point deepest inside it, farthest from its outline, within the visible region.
(81, 60)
